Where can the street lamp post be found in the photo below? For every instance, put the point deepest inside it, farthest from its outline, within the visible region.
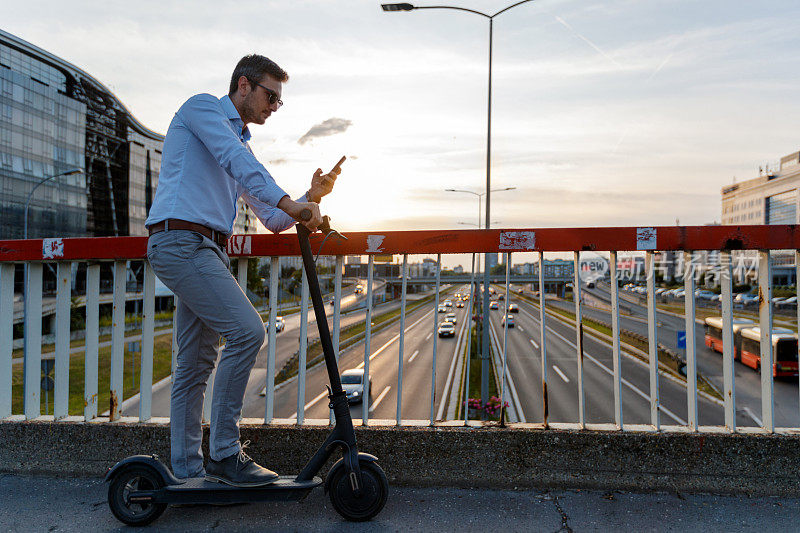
(485, 341)
(485, 360)
(25, 271)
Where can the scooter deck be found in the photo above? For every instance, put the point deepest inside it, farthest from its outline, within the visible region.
(198, 490)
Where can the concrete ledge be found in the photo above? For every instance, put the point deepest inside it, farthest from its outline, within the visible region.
(452, 456)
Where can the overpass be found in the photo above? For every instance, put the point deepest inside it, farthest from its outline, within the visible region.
(636, 424)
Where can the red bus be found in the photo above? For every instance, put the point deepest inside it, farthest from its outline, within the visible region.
(713, 329)
(784, 350)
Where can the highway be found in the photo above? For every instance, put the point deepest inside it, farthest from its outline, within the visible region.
(709, 362)
(524, 368)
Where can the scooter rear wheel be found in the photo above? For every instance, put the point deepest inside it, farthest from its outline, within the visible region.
(374, 493)
(127, 481)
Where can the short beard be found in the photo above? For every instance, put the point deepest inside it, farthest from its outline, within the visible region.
(249, 113)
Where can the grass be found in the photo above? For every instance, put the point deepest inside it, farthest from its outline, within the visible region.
(162, 364)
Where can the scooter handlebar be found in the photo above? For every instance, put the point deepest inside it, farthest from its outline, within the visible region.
(325, 227)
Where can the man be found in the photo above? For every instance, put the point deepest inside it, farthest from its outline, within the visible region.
(205, 167)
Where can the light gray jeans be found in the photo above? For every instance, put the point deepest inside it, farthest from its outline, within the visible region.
(210, 304)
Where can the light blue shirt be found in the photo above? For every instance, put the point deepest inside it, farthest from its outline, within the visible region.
(207, 165)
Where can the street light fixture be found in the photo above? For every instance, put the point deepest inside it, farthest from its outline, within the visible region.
(397, 7)
(485, 343)
(480, 196)
(69, 172)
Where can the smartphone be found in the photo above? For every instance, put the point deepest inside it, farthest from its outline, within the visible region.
(339, 164)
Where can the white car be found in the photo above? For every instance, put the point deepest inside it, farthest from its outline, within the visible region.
(353, 384)
(448, 303)
(450, 317)
(280, 324)
(446, 329)
(509, 318)
(441, 309)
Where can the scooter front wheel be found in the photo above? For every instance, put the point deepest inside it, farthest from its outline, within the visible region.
(374, 492)
(119, 493)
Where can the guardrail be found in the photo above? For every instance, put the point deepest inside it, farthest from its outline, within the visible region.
(727, 240)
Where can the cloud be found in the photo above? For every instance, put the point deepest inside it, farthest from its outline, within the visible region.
(326, 128)
(279, 161)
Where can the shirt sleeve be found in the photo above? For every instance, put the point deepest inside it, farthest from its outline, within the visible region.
(274, 219)
(203, 116)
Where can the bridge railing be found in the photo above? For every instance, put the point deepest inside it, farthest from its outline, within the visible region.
(728, 243)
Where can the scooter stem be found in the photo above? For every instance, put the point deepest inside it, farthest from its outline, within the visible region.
(319, 309)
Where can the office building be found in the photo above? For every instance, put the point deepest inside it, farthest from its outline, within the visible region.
(55, 117)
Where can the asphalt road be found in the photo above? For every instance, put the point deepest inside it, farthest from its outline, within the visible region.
(30, 503)
(525, 367)
(383, 370)
(709, 363)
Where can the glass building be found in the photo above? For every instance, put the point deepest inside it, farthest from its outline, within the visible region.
(55, 117)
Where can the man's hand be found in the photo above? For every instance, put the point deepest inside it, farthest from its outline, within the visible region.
(322, 184)
(293, 209)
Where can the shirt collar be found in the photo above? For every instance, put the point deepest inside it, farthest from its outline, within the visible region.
(233, 115)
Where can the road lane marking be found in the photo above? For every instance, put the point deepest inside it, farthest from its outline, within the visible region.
(520, 328)
(382, 348)
(607, 370)
(311, 403)
(534, 344)
(753, 416)
(517, 406)
(625, 382)
(429, 335)
(379, 398)
(413, 356)
(560, 373)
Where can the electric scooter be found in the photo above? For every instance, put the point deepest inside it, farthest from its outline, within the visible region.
(141, 486)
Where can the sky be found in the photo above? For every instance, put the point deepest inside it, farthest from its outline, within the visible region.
(604, 113)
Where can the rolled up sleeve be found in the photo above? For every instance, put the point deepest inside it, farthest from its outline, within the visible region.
(274, 219)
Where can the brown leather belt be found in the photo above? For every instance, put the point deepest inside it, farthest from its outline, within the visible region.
(221, 239)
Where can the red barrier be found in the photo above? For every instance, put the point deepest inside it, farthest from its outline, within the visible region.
(764, 237)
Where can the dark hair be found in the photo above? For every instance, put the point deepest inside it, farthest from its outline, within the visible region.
(253, 67)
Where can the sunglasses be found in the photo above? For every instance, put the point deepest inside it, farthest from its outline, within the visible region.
(273, 96)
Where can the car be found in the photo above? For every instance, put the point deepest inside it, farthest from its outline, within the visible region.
(459, 304)
(501, 297)
(280, 324)
(494, 305)
(704, 295)
(513, 308)
(446, 329)
(509, 320)
(451, 317)
(353, 385)
(788, 302)
(746, 298)
(448, 303)
(441, 309)
(520, 291)
(778, 299)
(359, 289)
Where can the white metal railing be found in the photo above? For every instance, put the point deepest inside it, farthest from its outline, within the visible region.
(448, 398)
